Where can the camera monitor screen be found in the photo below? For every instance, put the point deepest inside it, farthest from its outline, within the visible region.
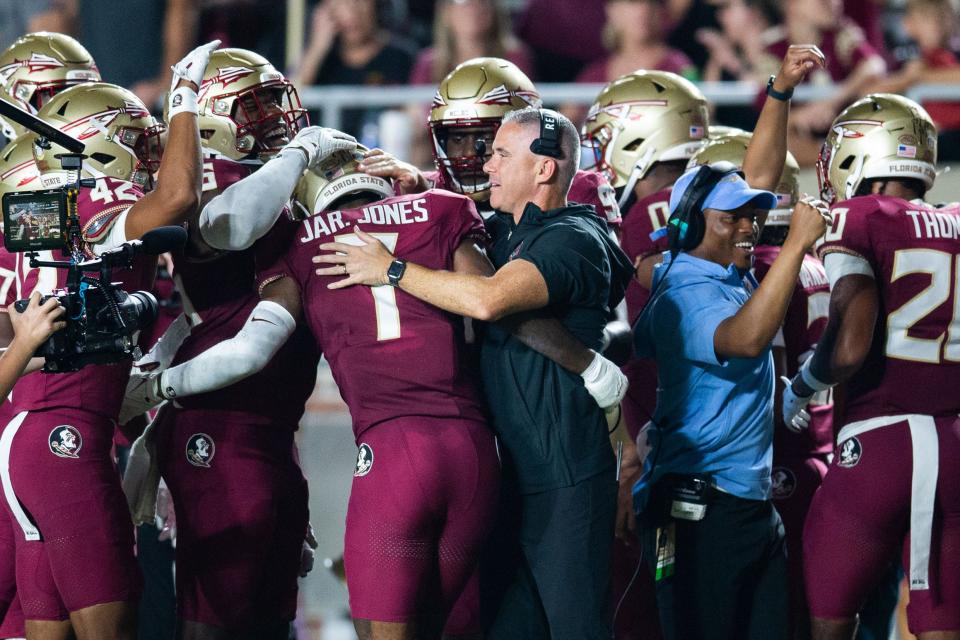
(34, 220)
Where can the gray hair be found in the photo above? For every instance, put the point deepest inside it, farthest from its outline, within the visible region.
(569, 139)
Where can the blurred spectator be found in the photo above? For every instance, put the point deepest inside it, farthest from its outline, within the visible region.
(348, 45)
(179, 37)
(128, 47)
(258, 25)
(564, 35)
(686, 18)
(634, 36)
(932, 25)
(465, 29)
(738, 51)
(18, 17)
(462, 30)
(852, 64)
(868, 14)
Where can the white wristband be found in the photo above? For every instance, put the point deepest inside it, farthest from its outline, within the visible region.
(182, 100)
(809, 379)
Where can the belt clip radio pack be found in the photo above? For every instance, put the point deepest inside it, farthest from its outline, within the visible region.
(689, 497)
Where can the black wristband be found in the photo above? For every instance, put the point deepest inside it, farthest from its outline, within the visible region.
(395, 271)
(782, 96)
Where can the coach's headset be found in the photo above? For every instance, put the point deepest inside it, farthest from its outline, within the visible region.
(548, 144)
(687, 224)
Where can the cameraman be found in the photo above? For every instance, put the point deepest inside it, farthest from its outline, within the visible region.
(712, 535)
(31, 329)
(77, 571)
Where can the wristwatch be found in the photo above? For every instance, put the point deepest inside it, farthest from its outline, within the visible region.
(782, 96)
(395, 271)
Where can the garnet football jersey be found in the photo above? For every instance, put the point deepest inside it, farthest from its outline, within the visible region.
(913, 251)
(646, 216)
(802, 327)
(391, 354)
(218, 294)
(95, 388)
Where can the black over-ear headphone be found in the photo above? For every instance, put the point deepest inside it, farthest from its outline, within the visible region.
(548, 144)
(686, 225)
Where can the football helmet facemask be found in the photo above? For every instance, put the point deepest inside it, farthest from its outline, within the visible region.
(38, 66)
(122, 139)
(245, 106)
(467, 111)
(879, 136)
(334, 180)
(640, 119)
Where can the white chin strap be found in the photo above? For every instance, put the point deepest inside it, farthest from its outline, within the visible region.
(639, 170)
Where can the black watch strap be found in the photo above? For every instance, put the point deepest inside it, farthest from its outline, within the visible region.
(395, 271)
(782, 96)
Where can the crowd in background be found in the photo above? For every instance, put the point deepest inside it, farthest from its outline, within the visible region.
(871, 45)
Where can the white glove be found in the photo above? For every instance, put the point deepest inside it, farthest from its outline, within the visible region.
(143, 394)
(193, 65)
(142, 478)
(605, 382)
(795, 416)
(318, 143)
(308, 552)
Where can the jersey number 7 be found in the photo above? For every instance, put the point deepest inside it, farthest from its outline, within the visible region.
(384, 297)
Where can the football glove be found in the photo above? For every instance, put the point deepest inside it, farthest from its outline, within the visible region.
(143, 393)
(193, 65)
(318, 143)
(604, 382)
(795, 415)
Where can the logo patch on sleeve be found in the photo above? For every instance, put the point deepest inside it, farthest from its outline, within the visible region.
(200, 450)
(783, 483)
(364, 461)
(850, 453)
(65, 441)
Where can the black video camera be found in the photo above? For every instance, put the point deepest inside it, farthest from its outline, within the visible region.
(102, 319)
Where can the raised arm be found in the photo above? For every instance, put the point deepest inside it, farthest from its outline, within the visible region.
(271, 322)
(768, 148)
(247, 210)
(177, 194)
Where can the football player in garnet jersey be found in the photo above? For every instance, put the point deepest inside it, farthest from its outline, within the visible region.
(385, 588)
(467, 110)
(799, 459)
(893, 338)
(38, 66)
(228, 457)
(75, 549)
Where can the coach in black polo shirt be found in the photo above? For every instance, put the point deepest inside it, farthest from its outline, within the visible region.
(554, 259)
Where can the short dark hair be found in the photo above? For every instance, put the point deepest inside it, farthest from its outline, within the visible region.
(569, 139)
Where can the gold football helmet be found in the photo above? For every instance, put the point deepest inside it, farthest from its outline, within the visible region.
(122, 139)
(37, 66)
(640, 119)
(337, 177)
(246, 106)
(467, 111)
(880, 136)
(18, 171)
(732, 147)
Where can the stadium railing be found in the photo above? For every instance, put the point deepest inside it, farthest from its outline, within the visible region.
(331, 101)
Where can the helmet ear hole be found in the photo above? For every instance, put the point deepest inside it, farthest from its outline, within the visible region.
(633, 146)
(62, 111)
(846, 162)
(103, 158)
